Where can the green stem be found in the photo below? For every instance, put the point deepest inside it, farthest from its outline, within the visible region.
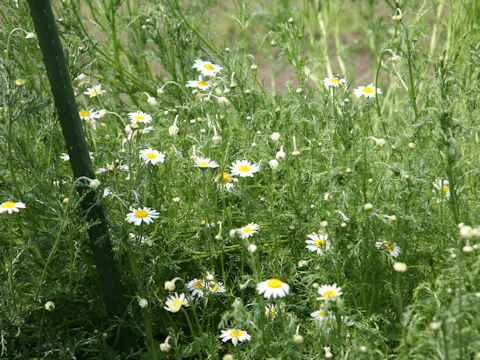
(202, 39)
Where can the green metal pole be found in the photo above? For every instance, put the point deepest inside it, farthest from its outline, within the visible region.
(58, 75)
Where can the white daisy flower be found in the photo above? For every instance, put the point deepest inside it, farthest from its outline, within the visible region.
(389, 247)
(248, 230)
(273, 288)
(66, 157)
(137, 239)
(107, 192)
(205, 163)
(19, 82)
(367, 91)
(146, 215)
(89, 114)
(95, 91)
(225, 181)
(139, 117)
(152, 156)
(318, 243)
(175, 302)
(11, 207)
(243, 168)
(207, 68)
(329, 292)
(320, 314)
(199, 84)
(196, 287)
(333, 81)
(236, 335)
(208, 223)
(112, 167)
(215, 287)
(442, 189)
(270, 311)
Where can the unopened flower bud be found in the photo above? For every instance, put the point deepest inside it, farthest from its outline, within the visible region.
(173, 130)
(160, 92)
(252, 248)
(143, 303)
(49, 306)
(368, 206)
(273, 164)
(281, 154)
(275, 136)
(94, 184)
(400, 267)
(298, 339)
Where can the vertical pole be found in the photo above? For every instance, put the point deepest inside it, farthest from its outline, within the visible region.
(63, 95)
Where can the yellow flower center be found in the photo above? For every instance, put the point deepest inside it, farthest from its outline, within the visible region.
(235, 333)
(226, 178)
(84, 113)
(328, 293)
(208, 67)
(321, 313)
(244, 168)
(274, 283)
(367, 90)
(151, 155)
(141, 213)
(446, 190)
(177, 303)
(19, 81)
(213, 288)
(8, 204)
(320, 243)
(93, 92)
(198, 284)
(388, 246)
(247, 230)
(203, 164)
(139, 117)
(334, 80)
(201, 83)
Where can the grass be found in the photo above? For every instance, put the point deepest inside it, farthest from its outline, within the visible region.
(359, 170)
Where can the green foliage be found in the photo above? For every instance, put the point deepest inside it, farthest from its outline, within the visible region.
(347, 152)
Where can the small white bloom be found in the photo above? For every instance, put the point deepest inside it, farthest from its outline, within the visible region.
(248, 230)
(198, 84)
(367, 91)
(174, 303)
(146, 215)
(368, 206)
(318, 243)
(205, 163)
(333, 81)
(11, 207)
(235, 335)
(207, 68)
(389, 247)
(244, 168)
(95, 91)
(139, 117)
(329, 292)
(151, 156)
(273, 288)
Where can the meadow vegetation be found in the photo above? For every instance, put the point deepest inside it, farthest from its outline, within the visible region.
(284, 179)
